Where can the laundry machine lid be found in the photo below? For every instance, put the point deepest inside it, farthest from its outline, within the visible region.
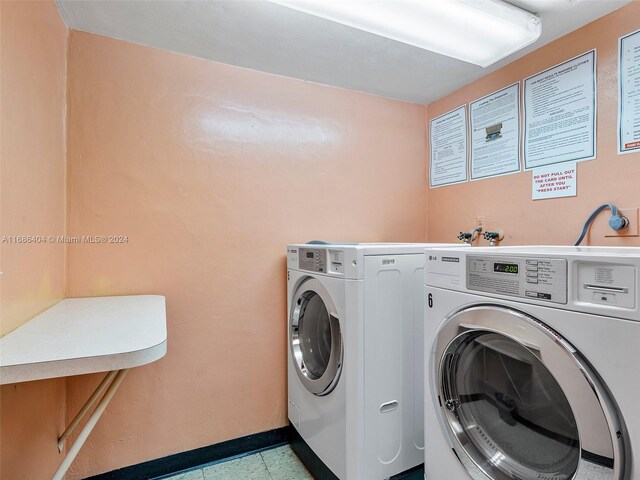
(315, 338)
(519, 402)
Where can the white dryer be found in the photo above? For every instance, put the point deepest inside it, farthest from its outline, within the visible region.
(532, 364)
(355, 355)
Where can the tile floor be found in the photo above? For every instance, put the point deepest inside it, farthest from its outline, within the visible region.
(276, 464)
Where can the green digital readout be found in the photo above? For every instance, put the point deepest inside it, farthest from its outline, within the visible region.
(505, 267)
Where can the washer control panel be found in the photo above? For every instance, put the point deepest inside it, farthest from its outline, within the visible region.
(528, 277)
(313, 259)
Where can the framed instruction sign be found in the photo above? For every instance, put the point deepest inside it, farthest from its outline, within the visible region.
(560, 113)
(495, 133)
(448, 148)
(629, 93)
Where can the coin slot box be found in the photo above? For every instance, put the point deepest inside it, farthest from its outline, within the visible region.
(607, 284)
(336, 261)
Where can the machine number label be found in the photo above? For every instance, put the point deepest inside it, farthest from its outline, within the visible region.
(430, 300)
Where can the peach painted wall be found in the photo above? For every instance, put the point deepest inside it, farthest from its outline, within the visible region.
(32, 202)
(32, 185)
(506, 201)
(210, 170)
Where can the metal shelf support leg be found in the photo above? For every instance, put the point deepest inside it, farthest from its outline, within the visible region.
(108, 378)
(117, 377)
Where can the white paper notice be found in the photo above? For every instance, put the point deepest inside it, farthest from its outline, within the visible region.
(560, 113)
(495, 133)
(554, 181)
(448, 139)
(629, 93)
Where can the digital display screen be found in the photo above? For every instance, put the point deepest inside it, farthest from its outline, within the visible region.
(309, 254)
(505, 267)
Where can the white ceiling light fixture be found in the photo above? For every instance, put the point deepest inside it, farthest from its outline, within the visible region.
(475, 31)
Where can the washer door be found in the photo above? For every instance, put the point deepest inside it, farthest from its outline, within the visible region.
(315, 338)
(519, 402)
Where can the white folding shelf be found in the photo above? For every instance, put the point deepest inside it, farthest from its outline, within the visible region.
(86, 335)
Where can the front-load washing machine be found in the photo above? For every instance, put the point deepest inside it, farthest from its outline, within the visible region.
(533, 364)
(355, 355)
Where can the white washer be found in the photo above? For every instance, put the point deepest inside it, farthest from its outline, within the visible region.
(533, 364)
(355, 355)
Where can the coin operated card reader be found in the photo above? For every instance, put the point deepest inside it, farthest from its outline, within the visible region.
(607, 284)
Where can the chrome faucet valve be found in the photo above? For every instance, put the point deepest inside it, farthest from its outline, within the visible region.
(468, 237)
(493, 237)
(465, 237)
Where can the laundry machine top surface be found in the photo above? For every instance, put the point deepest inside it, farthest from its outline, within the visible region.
(347, 260)
(561, 250)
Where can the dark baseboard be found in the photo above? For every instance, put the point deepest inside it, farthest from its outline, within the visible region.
(200, 456)
(316, 467)
(178, 462)
(416, 473)
(320, 471)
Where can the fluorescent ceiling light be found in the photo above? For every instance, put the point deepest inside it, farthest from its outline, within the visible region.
(475, 31)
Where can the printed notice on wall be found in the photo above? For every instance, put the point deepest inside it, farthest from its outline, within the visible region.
(629, 93)
(448, 139)
(560, 113)
(495, 133)
(554, 181)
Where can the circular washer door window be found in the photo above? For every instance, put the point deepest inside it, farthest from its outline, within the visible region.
(315, 338)
(521, 403)
(511, 407)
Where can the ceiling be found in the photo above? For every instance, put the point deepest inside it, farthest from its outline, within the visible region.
(271, 38)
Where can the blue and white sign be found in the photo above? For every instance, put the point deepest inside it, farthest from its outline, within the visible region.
(560, 113)
(629, 93)
(448, 148)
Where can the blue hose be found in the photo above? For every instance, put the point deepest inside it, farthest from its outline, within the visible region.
(616, 221)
